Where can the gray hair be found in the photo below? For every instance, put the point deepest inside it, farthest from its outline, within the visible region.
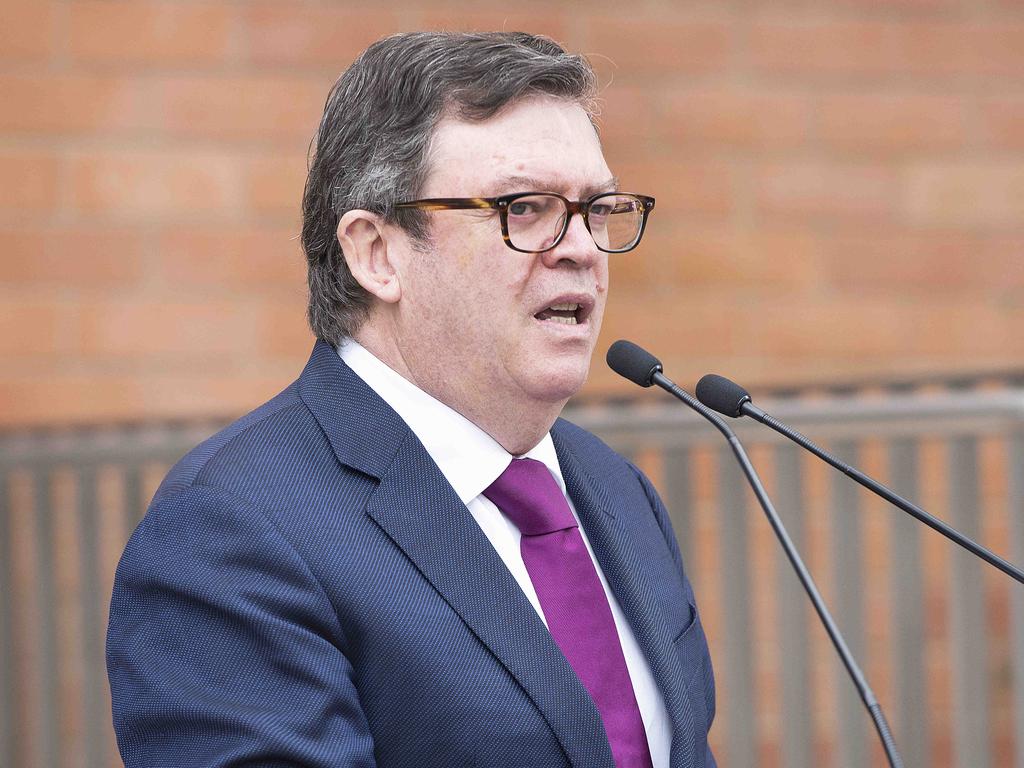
(371, 149)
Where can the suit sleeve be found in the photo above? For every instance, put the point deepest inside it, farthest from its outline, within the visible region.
(223, 649)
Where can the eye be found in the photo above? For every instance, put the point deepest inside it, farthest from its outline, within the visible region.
(522, 208)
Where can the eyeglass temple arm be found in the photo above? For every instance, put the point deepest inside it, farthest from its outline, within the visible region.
(450, 203)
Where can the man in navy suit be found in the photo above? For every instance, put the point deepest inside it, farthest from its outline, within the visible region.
(406, 558)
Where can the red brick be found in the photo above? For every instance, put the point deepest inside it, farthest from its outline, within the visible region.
(977, 194)
(681, 185)
(274, 184)
(28, 181)
(1002, 122)
(72, 256)
(692, 322)
(633, 270)
(257, 107)
(726, 257)
(633, 45)
(809, 47)
(30, 328)
(905, 123)
(140, 327)
(821, 329)
(904, 263)
(794, 7)
(815, 190)
(737, 118)
(67, 397)
(1003, 267)
(74, 104)
(873, 331)
(153, 184)
(282, 330)
(56, 398)
(138, 31)
(312, 33)
(264, 108)
(920, 47)
(27, 30)
(243, 260)
(218, 394)
(626, 113)
(959, 262)
(997, 49)
(549, 20)
(932, 49)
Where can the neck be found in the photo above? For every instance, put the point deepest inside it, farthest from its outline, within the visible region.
(515, 426)
(515, 432)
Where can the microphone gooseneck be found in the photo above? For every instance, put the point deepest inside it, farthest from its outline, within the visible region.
(627, 351)
(729, 398)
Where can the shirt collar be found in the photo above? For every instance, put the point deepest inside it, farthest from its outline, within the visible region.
(468, 457)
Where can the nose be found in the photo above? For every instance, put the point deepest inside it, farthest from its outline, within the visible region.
(577, 248)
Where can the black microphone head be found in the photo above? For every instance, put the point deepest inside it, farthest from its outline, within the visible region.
(720, 394)
(633, 362)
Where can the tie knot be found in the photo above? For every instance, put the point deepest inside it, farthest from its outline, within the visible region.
(528, 494)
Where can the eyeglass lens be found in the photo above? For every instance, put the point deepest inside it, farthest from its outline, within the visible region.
(535, 222)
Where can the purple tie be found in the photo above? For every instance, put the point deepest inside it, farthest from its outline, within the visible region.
(573, 600)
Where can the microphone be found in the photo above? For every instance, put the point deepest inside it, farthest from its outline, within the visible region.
(729, 398)
(633, 362)
(641, 367)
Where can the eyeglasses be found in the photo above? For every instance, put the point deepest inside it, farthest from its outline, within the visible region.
(534, 222)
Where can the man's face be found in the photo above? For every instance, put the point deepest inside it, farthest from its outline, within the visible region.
(473, 322)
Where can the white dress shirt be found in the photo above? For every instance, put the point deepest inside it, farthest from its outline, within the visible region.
(471, 460)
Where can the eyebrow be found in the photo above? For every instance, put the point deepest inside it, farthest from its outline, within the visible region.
(533, 184)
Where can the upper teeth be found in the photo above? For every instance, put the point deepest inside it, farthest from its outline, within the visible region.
(566, 307)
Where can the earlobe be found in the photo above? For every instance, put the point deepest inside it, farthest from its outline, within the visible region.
(364, 245)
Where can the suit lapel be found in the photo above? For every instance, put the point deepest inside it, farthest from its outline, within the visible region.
(418, 509)
(624, 568)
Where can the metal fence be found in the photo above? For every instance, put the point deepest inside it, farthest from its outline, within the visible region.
(939, 634)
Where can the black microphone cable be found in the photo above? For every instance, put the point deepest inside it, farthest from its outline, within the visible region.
(641, 367)
(730, 399)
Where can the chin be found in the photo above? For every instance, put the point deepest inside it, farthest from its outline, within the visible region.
(557, 383)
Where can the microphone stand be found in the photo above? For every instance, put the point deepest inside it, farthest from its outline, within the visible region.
(866, 694)
(749, 409)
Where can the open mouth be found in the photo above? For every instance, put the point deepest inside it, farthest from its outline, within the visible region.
(569, 313)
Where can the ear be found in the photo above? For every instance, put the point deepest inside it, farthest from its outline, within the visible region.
(364, 243)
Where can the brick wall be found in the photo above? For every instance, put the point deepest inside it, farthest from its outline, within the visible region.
(840, 187)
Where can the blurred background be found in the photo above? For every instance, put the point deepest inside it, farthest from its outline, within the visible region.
(840, 226)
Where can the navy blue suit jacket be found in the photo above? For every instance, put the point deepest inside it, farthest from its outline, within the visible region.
(307, 589)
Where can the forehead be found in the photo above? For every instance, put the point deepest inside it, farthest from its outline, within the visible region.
(550, 142)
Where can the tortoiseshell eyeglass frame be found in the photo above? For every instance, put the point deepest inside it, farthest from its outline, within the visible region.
(501, 205)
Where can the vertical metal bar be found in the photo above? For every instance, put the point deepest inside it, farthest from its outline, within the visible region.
(47, 726)
(796, 715)
(7, 661)
(970, 668)
(92, 609)
(133, 505)
(739, 666)
(679, 499)
(907, 618)
(1015, 462)
(847, 557)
